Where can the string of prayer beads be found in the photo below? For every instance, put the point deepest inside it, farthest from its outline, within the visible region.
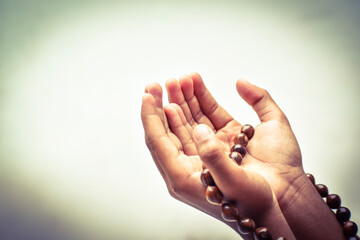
(229, 211)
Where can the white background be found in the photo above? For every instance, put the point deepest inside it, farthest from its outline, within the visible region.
(74, 164)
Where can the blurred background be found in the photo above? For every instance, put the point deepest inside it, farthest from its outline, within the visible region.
(73, 162)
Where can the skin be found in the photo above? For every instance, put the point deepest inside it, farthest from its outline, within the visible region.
(271, 186)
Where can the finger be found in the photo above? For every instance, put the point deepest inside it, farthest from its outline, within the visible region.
(178, 114)
(175, 95)
(212, 152)
(148, 109)
(211, 109)
(156, 91)
(261, 101)
(181, 128)
(187, 88)
(165, 151)
(192, 113)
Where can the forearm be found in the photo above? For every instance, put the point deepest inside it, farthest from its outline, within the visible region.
(307, 214)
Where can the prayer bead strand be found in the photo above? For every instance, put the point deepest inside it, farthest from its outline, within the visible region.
(342, 214)
(229, 211)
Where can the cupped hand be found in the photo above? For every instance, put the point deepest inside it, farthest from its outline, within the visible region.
(273, 152)
(180, 153)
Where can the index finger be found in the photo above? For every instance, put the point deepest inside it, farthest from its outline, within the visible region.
(217, 115)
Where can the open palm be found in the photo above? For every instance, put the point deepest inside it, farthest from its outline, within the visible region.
(273, 151)
(169, 137)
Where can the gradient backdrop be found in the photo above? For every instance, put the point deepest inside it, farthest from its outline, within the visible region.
(74, 164)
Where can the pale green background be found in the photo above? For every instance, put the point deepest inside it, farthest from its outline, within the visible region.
(73, 160)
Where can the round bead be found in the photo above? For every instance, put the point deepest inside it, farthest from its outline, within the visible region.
(333, 201)
(229, 212)
(281, 238)
(248, 130)
(343, 214)
(241, 139)
(262, 233)
(213, 195)
(206, 178)
(238, 148)
(246, 225)
(236, 157)
(322, 190)
(311, 178)
(350, 229)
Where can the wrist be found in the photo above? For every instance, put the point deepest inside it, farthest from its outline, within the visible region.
(297, 184)
(302, 205)
(275, 221)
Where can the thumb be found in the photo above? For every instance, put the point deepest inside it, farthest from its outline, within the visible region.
(261, 101)
(213, 153)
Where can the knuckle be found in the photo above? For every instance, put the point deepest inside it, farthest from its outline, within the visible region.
(213, 108)
(266, 93)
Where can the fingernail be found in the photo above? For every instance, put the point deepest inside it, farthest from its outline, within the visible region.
(202, 132)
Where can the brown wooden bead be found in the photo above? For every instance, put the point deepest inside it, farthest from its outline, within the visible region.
(229, 212)
(262, 233)
(236, 157)
(238, 148)
(246, 225)
(206, 178)
(333, 201)
(241, 139)
(322, 190)
(343, 214)
(350, 229)
(248, 130)
(213, 195)
(311, 178)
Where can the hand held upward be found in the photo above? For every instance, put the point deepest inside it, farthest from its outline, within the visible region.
(194, 130)
(175, 152)
(269, 157)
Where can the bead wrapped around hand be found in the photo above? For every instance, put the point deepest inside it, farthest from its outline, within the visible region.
(229, 211)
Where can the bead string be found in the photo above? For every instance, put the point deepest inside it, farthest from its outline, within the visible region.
(229, 211)
(342, 213)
